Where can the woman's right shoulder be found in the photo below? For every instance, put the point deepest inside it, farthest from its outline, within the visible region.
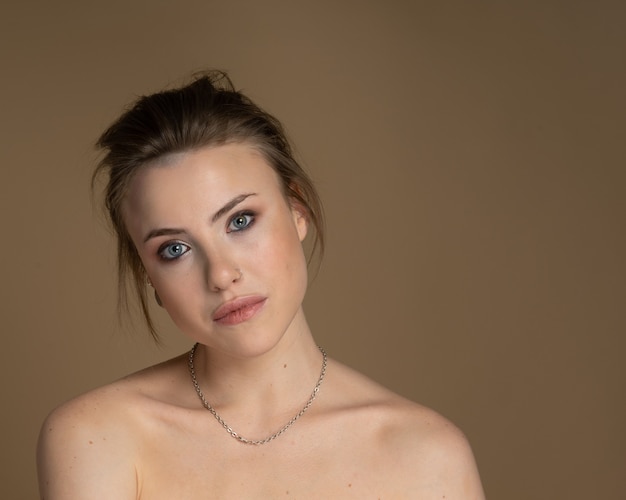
(119, 405)
(99, 408)
(86, 447)
(97, 436)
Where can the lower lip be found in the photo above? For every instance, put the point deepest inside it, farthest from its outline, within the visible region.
(241, 315)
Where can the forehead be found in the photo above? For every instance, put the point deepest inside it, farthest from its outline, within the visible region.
(203, 179)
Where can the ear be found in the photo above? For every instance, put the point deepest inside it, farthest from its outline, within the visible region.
(300, 218)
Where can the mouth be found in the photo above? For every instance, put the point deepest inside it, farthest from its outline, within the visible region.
(238, 310)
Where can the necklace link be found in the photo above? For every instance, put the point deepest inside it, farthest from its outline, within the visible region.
(230, 431)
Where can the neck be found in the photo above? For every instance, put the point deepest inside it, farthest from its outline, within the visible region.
(257, 394)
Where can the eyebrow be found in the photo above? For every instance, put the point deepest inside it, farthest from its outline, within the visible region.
(220, 213)
(230, 205)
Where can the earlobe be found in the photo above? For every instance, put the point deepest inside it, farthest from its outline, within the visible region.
(300, 219)
(302, 224)
(298, 210)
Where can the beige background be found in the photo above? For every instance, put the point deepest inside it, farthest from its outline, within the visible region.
(471, 160)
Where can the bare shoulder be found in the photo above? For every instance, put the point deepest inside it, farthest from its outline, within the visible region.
(420, 449)
(435, 451)
(89, 446)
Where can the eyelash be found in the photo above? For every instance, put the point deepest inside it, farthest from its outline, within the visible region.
(249, 216)
(250, 219)
(170, 244)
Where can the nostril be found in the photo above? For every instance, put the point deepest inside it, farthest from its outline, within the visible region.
(221, 278)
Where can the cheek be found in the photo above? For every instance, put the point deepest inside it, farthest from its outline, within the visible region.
(294, 263)
(282, 253)
(185, 302)
(180, 289)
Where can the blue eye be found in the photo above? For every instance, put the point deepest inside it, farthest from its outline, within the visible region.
(171, 251)
(241, 221)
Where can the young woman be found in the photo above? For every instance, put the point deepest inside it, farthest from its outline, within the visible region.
(210, 210)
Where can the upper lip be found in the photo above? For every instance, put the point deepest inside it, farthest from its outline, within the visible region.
(235, 304)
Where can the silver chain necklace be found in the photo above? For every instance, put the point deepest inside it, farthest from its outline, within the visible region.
(242, 439)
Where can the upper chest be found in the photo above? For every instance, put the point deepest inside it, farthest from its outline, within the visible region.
(317, 458)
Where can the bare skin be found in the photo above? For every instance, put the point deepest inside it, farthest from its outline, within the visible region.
(148, 436)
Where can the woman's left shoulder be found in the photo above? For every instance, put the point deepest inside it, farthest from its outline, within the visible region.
(432, 450)
(414, 427)
(426, 449)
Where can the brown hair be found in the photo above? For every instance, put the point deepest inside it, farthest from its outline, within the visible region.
(206, 112)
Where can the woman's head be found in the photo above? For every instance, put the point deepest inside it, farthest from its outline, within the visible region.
(205, 113)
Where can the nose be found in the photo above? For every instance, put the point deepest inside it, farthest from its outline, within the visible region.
(220, 270)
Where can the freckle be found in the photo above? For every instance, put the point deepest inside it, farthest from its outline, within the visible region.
(285, 365)
(349, 485)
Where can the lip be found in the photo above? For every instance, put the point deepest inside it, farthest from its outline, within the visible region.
(238, 310)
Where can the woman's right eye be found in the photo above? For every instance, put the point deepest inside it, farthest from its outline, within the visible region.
(171, 251)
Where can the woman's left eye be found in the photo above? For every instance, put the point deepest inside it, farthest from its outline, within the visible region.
(240, 222)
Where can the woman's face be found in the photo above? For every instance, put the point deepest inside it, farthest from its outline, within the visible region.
(222, 246)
